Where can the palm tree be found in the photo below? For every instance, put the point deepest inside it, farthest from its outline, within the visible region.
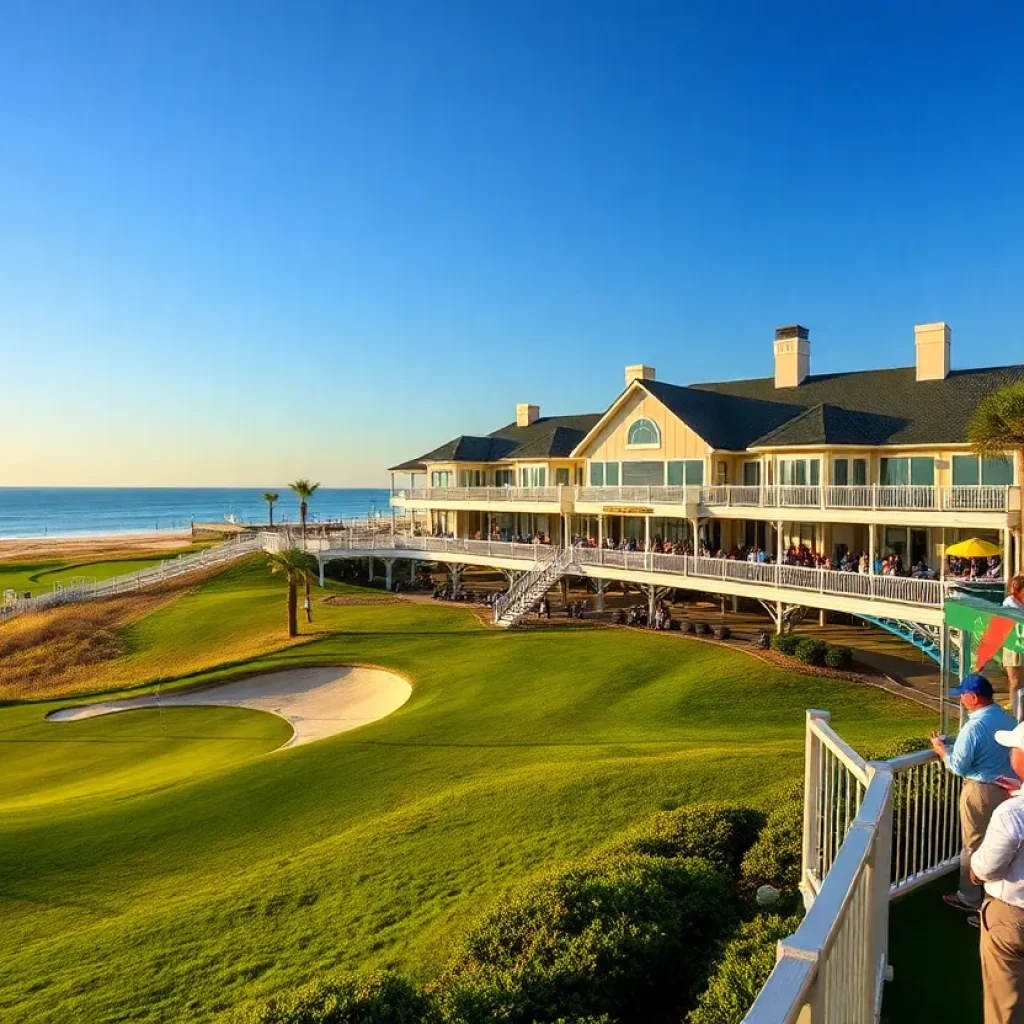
(304, 490)
(296, 566)
(997, 429)
(270, 497)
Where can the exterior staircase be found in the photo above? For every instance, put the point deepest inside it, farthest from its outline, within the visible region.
(527, 591)
(924, 638)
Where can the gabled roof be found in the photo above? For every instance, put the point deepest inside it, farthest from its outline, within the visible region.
(903, 409)
(828, 424)
(724, 421)
(546, 437)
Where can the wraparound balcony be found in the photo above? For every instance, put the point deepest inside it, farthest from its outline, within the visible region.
(535, 498)
(873, 497)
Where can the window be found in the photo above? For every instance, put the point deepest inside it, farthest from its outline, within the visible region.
(643, 433)
(611, 474)
(440, 478)
(562, 477)
(604, 474)
(504, 477)
(722, 474)
(579, 476)
(643, 474)
(533, 476)
(969, 471)
(841, 472)
(898, 472)
(686, 471)
(751, 474)
(471, 478)
(799, 472)
(597, 474)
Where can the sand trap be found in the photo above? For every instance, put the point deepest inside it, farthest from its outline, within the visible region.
(318, 702)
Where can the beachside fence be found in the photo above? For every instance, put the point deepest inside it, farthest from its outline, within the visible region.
(171, 568)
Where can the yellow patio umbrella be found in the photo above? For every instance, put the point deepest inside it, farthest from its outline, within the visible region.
(973, 548)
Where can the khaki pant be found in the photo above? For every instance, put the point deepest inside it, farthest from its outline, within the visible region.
(1002, 962)
(977, 802)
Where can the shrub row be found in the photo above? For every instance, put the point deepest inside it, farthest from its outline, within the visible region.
(812, 650)
(627, 935)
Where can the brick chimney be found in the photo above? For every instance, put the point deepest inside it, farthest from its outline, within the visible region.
(527, 414)
(639, 372)
(931, 344)
(792, 356)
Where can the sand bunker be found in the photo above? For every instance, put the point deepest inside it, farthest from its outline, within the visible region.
(318, 702)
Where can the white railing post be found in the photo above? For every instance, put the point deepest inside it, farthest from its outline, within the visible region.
(879, 877)
(809, 858)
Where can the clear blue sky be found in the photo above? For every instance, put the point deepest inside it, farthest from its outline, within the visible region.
(243, 242)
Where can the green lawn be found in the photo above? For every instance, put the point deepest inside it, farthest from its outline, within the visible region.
(163, 866)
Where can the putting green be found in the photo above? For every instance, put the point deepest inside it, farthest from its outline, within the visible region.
(160, 869)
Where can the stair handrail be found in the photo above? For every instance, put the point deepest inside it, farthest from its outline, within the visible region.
(555, 556)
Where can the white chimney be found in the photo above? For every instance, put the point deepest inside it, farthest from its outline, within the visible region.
(639, 372)
(792, 356)
(931, 344)
(527, 414)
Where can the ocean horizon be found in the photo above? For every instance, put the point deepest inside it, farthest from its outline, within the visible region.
(27, 512)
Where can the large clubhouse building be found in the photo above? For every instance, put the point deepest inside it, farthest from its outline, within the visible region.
(843, 469)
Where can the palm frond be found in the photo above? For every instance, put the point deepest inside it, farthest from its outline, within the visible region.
(997, 426)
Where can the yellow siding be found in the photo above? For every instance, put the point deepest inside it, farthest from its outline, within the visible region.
(678, 441)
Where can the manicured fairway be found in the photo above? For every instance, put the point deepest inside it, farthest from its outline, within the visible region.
(162, 868)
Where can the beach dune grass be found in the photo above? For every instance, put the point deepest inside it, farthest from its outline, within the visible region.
(162, 868)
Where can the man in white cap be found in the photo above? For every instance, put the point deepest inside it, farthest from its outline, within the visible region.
(999, 864)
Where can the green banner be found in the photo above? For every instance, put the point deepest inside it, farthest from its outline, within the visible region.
(993, 629)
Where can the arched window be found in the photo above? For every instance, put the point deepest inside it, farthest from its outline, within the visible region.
(644, 433)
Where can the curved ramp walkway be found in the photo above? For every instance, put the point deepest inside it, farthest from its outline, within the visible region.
(317, 702)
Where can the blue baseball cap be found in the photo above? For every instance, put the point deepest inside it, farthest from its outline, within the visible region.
(975, 683)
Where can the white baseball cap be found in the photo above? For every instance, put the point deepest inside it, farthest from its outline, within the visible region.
(1011, 737)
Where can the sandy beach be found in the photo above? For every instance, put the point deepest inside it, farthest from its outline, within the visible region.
(161, 541)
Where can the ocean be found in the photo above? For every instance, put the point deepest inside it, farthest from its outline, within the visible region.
(70, 511)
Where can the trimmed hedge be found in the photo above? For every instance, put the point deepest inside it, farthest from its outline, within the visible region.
(719, 833)
(785, 643)
(839, 657)
(743, 968)
(811, 651)
(376, 999)
(775, 858)
(625, 935)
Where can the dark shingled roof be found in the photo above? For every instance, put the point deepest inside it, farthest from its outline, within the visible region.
(896, 408)
(828, 424)
(547, 437)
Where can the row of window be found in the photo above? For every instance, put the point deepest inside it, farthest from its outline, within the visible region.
(647, 473)
(968, 470)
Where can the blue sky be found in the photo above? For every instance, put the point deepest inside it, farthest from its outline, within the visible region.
(243, 242)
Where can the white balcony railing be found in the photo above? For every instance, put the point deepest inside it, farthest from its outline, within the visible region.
(872, 830)
(484, 494)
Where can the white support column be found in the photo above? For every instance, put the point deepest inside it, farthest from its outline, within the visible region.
(647, 533)
(370, 561)
(600, 530)
(601, 584)
(320, 562)
(389, 564)
(778, 542)
(1007, 553)
(942, 556)
(871, 549)
(412, 570)
(695, 529)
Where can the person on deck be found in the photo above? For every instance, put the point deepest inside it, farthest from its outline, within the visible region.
(999, 864)
(980, 761)
(1011, 659)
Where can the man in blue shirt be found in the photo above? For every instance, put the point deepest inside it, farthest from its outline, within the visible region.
(980, 761)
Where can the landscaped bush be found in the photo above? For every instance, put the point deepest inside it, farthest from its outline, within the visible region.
(743, 968)
(629, 936)
(716, 832)
(377, 999)
(811, 651)
(775, 858)
(785, 643)
(839, 657)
